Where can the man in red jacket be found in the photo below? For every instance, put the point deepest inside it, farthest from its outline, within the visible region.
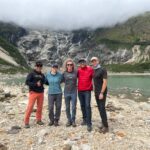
(85, 74)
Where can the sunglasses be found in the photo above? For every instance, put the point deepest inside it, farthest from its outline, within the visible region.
(69, 64)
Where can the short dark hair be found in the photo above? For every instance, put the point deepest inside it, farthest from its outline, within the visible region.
(38, 64)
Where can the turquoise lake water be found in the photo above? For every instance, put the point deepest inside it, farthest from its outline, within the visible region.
(117, 84)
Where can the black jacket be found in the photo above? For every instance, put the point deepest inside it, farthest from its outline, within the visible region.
(32, 80)
(99, 75)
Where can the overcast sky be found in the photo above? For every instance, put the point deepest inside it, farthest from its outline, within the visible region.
(70, 14)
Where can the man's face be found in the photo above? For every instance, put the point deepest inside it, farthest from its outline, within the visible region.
(94, 62)
(38, 68)
(82, 64)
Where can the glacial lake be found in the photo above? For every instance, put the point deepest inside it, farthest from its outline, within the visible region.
(127, 85)
(130, 85)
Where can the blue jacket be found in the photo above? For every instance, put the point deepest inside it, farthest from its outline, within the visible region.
(54, 82)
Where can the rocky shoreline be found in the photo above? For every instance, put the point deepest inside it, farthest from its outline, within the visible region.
(129, 123)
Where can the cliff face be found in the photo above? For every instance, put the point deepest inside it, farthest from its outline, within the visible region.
(52, 47)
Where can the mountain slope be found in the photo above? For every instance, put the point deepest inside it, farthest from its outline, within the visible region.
(136, 30)
(10, 58)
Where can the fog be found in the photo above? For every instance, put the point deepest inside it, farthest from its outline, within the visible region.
(70, 14)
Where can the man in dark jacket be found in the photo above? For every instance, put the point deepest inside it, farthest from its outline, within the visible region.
(100, 89)
(35, 81)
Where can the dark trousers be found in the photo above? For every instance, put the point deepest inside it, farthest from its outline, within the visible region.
(71, 99)
(54, 99)
(85, 102)
(102, 110)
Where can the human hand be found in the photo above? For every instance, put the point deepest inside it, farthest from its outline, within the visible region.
(101, 96)
(38, 83)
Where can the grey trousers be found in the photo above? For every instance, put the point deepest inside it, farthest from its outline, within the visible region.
(54, 100)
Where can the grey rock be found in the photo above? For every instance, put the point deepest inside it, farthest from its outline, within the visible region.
(144, 106)
(69, 142)
(2, 97)
(15, 127)
(111, 107)
(1, 91)
(7, 94)
(3, 147)
(122, 96)
(41, 134)
(14, 130)
(67, 147)
(85, 147)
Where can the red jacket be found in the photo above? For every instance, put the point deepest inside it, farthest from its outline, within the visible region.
(85, 78)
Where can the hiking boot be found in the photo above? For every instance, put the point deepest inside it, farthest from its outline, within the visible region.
(68, 124)
(74, 124)
(40, 123)
(89, 128)
(51, 123)
(27, 126)
(104, 130)
(56, 123)
(83, 123)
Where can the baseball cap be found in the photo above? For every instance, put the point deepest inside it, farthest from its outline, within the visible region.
(81, 60)
(54, 65)
(94, 58)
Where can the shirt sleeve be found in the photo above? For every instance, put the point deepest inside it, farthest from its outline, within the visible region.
(29, 80)
(104, 74)
(62, 78)
(46, 81)
(92, 72)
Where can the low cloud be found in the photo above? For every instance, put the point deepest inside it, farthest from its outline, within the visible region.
(70, 14)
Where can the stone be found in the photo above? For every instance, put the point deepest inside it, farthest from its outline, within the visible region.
(15, 127)
(144, 106)
(2, 131)
(2, 97)
(147, 120)
(7, 94)
(120, 133)
(111, 107)
(67, 147)
(41, 134)
(14, 130)
(122, 96)
(75, 147)
(69, 142)
(85, 147)
(1, 91)
(3, 147)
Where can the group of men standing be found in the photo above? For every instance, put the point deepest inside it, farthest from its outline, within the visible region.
(77, 81)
